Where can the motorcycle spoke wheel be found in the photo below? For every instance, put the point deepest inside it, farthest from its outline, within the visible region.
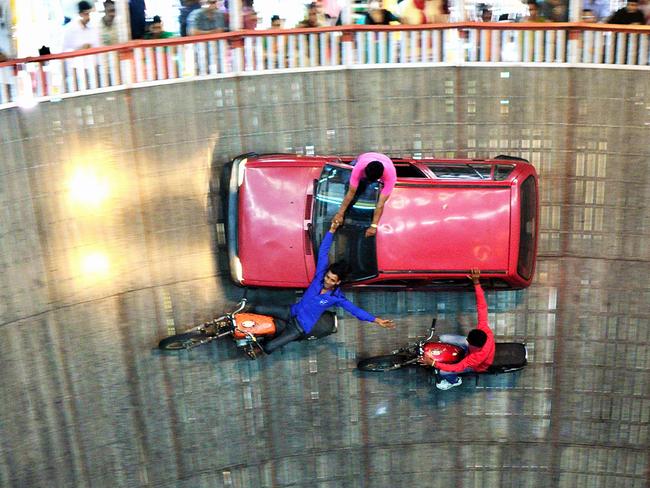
(182, 341)
(384, 363)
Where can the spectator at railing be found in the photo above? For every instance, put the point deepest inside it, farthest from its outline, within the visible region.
(136, 15)
(416, 12)
(3, 56)
(314, 17)
(533, 13)
(107, 25)
(80, 33)
(378, 16)
(277, 22)
(630, 14)
(484, 12)
(599, 8)
(156, 30)
(644, 6)
(555, 10)
(587, 16)
(249, 15)
(208, 19)
(188, 7)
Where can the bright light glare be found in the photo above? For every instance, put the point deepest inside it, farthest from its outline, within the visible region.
(95, 263)
(25, 91)
(87, 188)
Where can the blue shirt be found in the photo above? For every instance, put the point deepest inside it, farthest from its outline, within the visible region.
(200, 19)
(313, 303)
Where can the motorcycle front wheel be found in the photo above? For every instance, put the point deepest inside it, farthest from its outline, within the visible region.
(385, 363)
(182, 341)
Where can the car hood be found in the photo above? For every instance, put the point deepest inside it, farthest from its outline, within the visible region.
(445, 229)
(274, 247)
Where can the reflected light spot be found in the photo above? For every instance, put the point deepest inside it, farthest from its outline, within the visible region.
(381, 409)
(95, 263)
(87, 188)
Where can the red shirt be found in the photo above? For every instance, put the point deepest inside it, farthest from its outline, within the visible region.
(478, 358)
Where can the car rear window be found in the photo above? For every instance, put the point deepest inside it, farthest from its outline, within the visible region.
(527, 228)
(461, 171)
(405, 170)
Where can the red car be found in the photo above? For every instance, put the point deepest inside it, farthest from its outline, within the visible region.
(443, 217)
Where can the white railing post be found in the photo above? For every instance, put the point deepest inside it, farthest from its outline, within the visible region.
(573, 55)
(55, 79)
(126, 67)
(236, 52)
(135, 63)
(189, 64)
(347, 44)
(643, 49)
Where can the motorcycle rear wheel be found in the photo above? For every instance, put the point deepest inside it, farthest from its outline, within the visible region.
(385, 363)
(182, 341)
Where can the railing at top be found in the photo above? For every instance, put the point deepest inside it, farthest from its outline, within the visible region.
(26, 81)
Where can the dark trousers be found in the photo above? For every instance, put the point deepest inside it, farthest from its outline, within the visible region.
(289, 331)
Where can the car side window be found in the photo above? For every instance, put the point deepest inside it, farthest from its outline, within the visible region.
(502, 171)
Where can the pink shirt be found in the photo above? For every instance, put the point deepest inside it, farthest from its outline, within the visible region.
(388, 178)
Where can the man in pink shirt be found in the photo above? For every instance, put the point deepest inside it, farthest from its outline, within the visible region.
(479, 344)
(369, 167)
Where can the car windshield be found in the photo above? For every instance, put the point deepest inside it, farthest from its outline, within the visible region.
(350, 244)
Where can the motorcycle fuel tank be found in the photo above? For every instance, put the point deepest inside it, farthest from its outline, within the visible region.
(443, 352)
(252, 323)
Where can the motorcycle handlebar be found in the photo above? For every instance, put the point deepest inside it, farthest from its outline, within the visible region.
(240, 306)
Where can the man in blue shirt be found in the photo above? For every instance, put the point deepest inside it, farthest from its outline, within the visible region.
(323, 293)
(207, 20)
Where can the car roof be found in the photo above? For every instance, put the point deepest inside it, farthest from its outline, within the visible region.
(435, 228)
(422, 164)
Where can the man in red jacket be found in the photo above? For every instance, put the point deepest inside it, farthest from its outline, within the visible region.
(479, 344)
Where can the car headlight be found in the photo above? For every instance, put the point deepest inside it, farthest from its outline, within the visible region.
(240, 172)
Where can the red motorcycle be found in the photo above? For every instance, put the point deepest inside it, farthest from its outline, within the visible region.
(247, 330)
(508, 356)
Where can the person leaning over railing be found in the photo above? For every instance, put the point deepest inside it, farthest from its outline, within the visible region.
(107, 26)
(313, 17)
(628, 15)
(209, 19)
(417, 12)
(80, 33)
(376, 15)
(155, 30)
(188, 7)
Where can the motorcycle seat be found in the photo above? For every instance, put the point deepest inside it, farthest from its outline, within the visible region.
(327, 324)
(508, 356)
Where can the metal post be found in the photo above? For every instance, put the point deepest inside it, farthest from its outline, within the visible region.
(235, 10)
(122, 20)
(575, 10)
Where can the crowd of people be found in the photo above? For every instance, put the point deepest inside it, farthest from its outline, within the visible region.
(211, 16)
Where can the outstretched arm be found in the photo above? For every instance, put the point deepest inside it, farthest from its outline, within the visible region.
(322, 261)
(340, 213)
(379, 210)
(481, 304)
(361, 314)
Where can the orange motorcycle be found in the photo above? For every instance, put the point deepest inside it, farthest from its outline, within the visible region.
(247, 329)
